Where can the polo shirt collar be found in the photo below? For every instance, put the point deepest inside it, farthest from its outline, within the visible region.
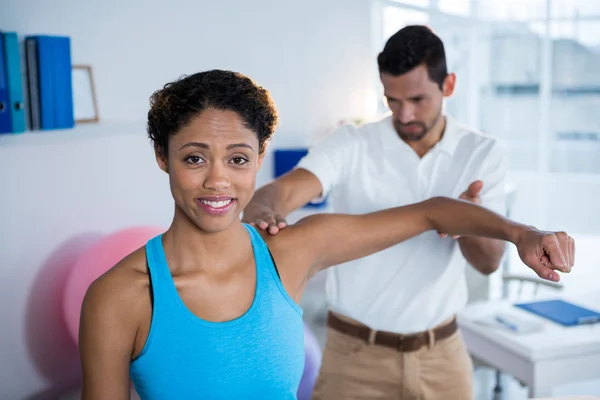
(392, 142)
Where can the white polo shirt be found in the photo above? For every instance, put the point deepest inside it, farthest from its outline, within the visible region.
(417, 284)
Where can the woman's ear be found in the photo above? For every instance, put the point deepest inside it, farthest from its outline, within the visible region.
(161, 159)
(261, 158)
(261, 155)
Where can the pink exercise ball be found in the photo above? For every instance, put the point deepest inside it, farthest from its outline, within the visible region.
(95, 261)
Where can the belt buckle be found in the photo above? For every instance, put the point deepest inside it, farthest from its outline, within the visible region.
(400, 347)
(403, 340)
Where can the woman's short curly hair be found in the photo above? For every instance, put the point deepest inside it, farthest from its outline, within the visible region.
(178, 102)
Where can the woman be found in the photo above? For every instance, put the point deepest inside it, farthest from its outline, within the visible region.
(210, 308)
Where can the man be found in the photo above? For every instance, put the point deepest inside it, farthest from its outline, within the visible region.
(391, 330)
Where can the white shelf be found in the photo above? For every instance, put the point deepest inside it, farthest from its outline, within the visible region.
(79, 132)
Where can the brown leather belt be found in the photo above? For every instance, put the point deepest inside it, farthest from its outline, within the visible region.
(403, 343)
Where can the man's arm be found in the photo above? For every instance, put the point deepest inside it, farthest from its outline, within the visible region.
(272, 203)
(484, 254)
(317, 173)
(332, 239)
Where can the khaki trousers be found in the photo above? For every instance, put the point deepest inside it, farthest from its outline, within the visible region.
(353, 369)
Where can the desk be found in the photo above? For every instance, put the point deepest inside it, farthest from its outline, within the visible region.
(553, 356)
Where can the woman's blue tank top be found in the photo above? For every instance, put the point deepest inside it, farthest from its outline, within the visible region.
(259, 355)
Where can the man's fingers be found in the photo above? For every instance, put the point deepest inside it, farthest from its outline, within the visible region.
(275, 224)
(281, 222)
(261, 224)
(475, 188)
(445, 235)
(272, 225)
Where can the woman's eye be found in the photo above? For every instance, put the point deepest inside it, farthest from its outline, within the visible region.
(194, 159)
(239, 160)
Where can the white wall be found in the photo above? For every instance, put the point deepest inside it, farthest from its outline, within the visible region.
(61, 190)
(313, 55)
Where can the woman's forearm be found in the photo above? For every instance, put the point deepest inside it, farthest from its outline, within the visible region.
(458, 217)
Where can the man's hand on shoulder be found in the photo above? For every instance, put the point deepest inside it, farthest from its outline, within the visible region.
(264, 218)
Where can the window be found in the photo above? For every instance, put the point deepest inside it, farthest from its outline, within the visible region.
(511, 10)
(458, 7)
(574, 118)
(572, 9)
(528, 75)
(395, 18)
(418, 3)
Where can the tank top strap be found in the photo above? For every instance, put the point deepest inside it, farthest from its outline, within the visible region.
(160, 277)
(266, 268)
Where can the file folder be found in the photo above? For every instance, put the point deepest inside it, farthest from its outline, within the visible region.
(63, 85)
(33, 83)
(55, 82)
(286, 160)
(46, 81)
(5, 126)
(561, 312)
(12, 58)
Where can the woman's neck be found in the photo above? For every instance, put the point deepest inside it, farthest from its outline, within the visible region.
(189, 248)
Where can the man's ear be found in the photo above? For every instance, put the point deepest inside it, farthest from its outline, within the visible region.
(449, 85)
(161, 159)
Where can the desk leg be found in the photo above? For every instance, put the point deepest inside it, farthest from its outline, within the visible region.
(540, 389)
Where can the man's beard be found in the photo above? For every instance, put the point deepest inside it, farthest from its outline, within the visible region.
(411, 136)
(417, 135)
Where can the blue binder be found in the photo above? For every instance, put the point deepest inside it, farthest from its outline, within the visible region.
(33, 83)
(46, 81)
(55, 82)
(13, 78)
(63, 86)
(562, 312)
(287, 159)
(5, 126)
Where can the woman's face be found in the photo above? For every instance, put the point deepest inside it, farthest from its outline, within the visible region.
(212, 165)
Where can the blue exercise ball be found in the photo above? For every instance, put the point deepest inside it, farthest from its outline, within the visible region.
(312, 363)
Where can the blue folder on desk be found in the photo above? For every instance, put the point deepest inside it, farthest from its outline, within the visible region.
(562, 312)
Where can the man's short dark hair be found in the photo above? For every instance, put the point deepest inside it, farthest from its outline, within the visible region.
(410, 47)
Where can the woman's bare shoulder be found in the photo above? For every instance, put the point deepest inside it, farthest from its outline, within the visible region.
(124, 287)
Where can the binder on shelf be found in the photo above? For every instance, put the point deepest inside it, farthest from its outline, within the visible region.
(63, 83)
(45, 81)
(12, 64)
(5, 125)
(286, 160)
(33, 83)
(54, 82)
